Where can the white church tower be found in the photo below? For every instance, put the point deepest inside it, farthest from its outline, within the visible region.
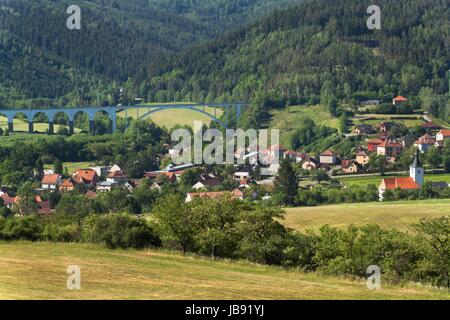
(416, 171)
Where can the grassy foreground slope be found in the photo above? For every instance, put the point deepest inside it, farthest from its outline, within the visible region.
(398, 215)
(38, 271)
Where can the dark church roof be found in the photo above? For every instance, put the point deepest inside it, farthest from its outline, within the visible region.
(417, 163)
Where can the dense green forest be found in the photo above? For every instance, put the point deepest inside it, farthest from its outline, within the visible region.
(41, 60)
(160, 50)
(316, 52)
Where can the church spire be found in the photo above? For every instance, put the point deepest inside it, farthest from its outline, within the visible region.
(417, 163)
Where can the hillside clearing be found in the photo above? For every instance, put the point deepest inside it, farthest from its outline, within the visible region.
(38, 271)
(172, 117)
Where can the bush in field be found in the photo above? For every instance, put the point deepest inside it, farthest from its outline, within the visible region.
(62, 232)
(119, 231)
(22, 228)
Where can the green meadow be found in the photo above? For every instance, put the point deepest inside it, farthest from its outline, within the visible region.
(38, 271)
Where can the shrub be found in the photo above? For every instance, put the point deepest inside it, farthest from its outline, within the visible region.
(22, 228)
(119, 231)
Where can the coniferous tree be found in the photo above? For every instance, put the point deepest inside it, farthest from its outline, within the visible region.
(286, 183)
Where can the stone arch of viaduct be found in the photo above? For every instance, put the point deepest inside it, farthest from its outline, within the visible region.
(51, 114)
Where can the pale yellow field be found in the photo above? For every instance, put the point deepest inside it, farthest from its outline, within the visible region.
(38, 271)
(398, 215)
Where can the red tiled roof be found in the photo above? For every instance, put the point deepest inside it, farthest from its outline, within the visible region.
(431, 125)
(67, 184)
(426, 139)
(445, 133)
(375, 141)
(387, 144)
(8, 201)
(116, 174)
(402, 182)
(51, 179)
(346, 163)
(87, 175)
(400, 99)
(328, 153)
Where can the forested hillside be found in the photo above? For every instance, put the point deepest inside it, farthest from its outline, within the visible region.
(41, 58)
(318, 51)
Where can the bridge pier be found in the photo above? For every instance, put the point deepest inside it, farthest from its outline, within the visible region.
(51, 128)
(91, 126)
(30, 127)
(71, 131)
(11, 126)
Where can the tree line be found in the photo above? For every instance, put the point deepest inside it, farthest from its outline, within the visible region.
(238, 230)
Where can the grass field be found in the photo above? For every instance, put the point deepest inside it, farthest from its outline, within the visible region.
(22, 126)
(38, 271)
(373, 119)
(376, 180)
(287, 119)
(398, 215)
(72, 166)
(170, 118)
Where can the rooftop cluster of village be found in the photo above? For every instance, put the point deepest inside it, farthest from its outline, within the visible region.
(377, 141)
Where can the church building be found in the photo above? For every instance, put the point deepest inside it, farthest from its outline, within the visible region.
(415, 180)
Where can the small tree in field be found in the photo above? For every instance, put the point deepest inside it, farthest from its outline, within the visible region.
(175, 220)
(436, 235)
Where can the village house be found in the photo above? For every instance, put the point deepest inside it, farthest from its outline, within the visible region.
(372, 145)
(390, 148)
(442, 135)
(431, 127)
(309, 164)
(116, 177)
(362, 158)
(243, 173)
(171, 176)
(8, 201)
(387, 126)
(206, 182)
(349, 166)
(100, 170)
(43, 207)
(295, 156)
(328, 157)
(363, 129)
(106, 186)
(414, 182)
(50, 181)
(66, 186)
(115, 168)
(86, 177)
(398, 101)
(424, 143)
